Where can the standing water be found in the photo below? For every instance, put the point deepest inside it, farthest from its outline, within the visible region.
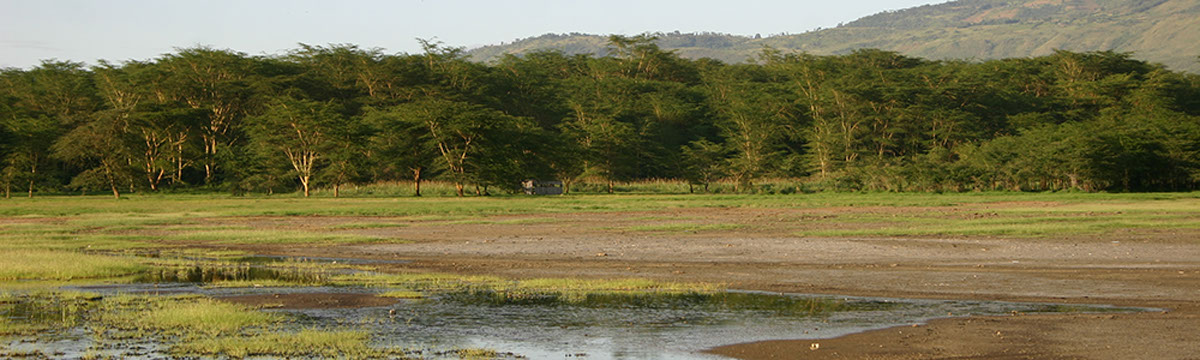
(537, 325)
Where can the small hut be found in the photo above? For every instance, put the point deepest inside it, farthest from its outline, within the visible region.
(542, 187)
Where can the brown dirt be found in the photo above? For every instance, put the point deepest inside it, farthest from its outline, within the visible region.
(311, 300)
(1151, 267)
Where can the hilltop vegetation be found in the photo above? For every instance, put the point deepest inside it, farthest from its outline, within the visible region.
(1163, 31)
(337, 115)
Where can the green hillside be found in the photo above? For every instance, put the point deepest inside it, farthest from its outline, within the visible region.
(1165, 31)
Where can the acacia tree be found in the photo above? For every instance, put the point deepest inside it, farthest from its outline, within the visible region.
(299, 131)
(218, 82)
(456, 130)
(401, 144)
(753, 120)
(44, 103)
(606, 142)
(703, 162)
(348, 156)
(101, 146)
(158, 134)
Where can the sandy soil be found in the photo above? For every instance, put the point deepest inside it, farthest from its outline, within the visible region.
(1149, 268)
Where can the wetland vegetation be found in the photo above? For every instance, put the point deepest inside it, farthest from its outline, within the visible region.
(144, 276)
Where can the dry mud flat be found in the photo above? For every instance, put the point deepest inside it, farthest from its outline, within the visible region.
(1142, 267)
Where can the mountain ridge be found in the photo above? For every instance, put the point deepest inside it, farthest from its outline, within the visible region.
(1162, 31)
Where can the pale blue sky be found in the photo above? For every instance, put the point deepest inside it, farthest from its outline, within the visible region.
(117, 30)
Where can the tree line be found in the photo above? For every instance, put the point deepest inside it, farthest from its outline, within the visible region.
(328, 116)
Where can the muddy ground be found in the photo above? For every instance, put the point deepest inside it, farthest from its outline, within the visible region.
(758, 249)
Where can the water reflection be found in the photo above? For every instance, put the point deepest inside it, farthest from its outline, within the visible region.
(211, 274)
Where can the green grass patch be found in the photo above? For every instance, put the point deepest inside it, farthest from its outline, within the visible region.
(424, 283)
(16, 265)
(171, 208)
(367, 225)
(189, 315)
(614, 285)
(403, 294)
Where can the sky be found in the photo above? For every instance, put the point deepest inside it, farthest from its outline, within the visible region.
(119, 30)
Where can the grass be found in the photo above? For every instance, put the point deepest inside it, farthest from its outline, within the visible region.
(305, 343)
(88, 237)
(403, 294)
(62, 265)
(473, 354)
(366, 225)
(195, 206)
(49, 241)
(189, 326)
(184, 316)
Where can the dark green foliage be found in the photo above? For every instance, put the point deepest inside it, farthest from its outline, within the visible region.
(326, 117)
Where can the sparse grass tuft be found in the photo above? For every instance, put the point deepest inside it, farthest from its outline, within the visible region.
(305, 343)
(476, 354)
(403, 294)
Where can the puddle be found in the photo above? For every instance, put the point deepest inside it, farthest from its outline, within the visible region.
(550, 325)
(626, 326)
(212, 274)
(537, 325)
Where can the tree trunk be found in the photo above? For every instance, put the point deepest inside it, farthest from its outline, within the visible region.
(32, 177)
(416, 182)
(610, 186)
(7, 190)
(179, 165)
(337, 189)
(304, 183)
(112, 183)
(207, 173)
(459, 187)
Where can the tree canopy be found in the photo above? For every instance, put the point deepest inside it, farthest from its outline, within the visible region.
(326, 116)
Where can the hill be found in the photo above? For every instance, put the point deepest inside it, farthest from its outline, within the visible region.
(1164, 31)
